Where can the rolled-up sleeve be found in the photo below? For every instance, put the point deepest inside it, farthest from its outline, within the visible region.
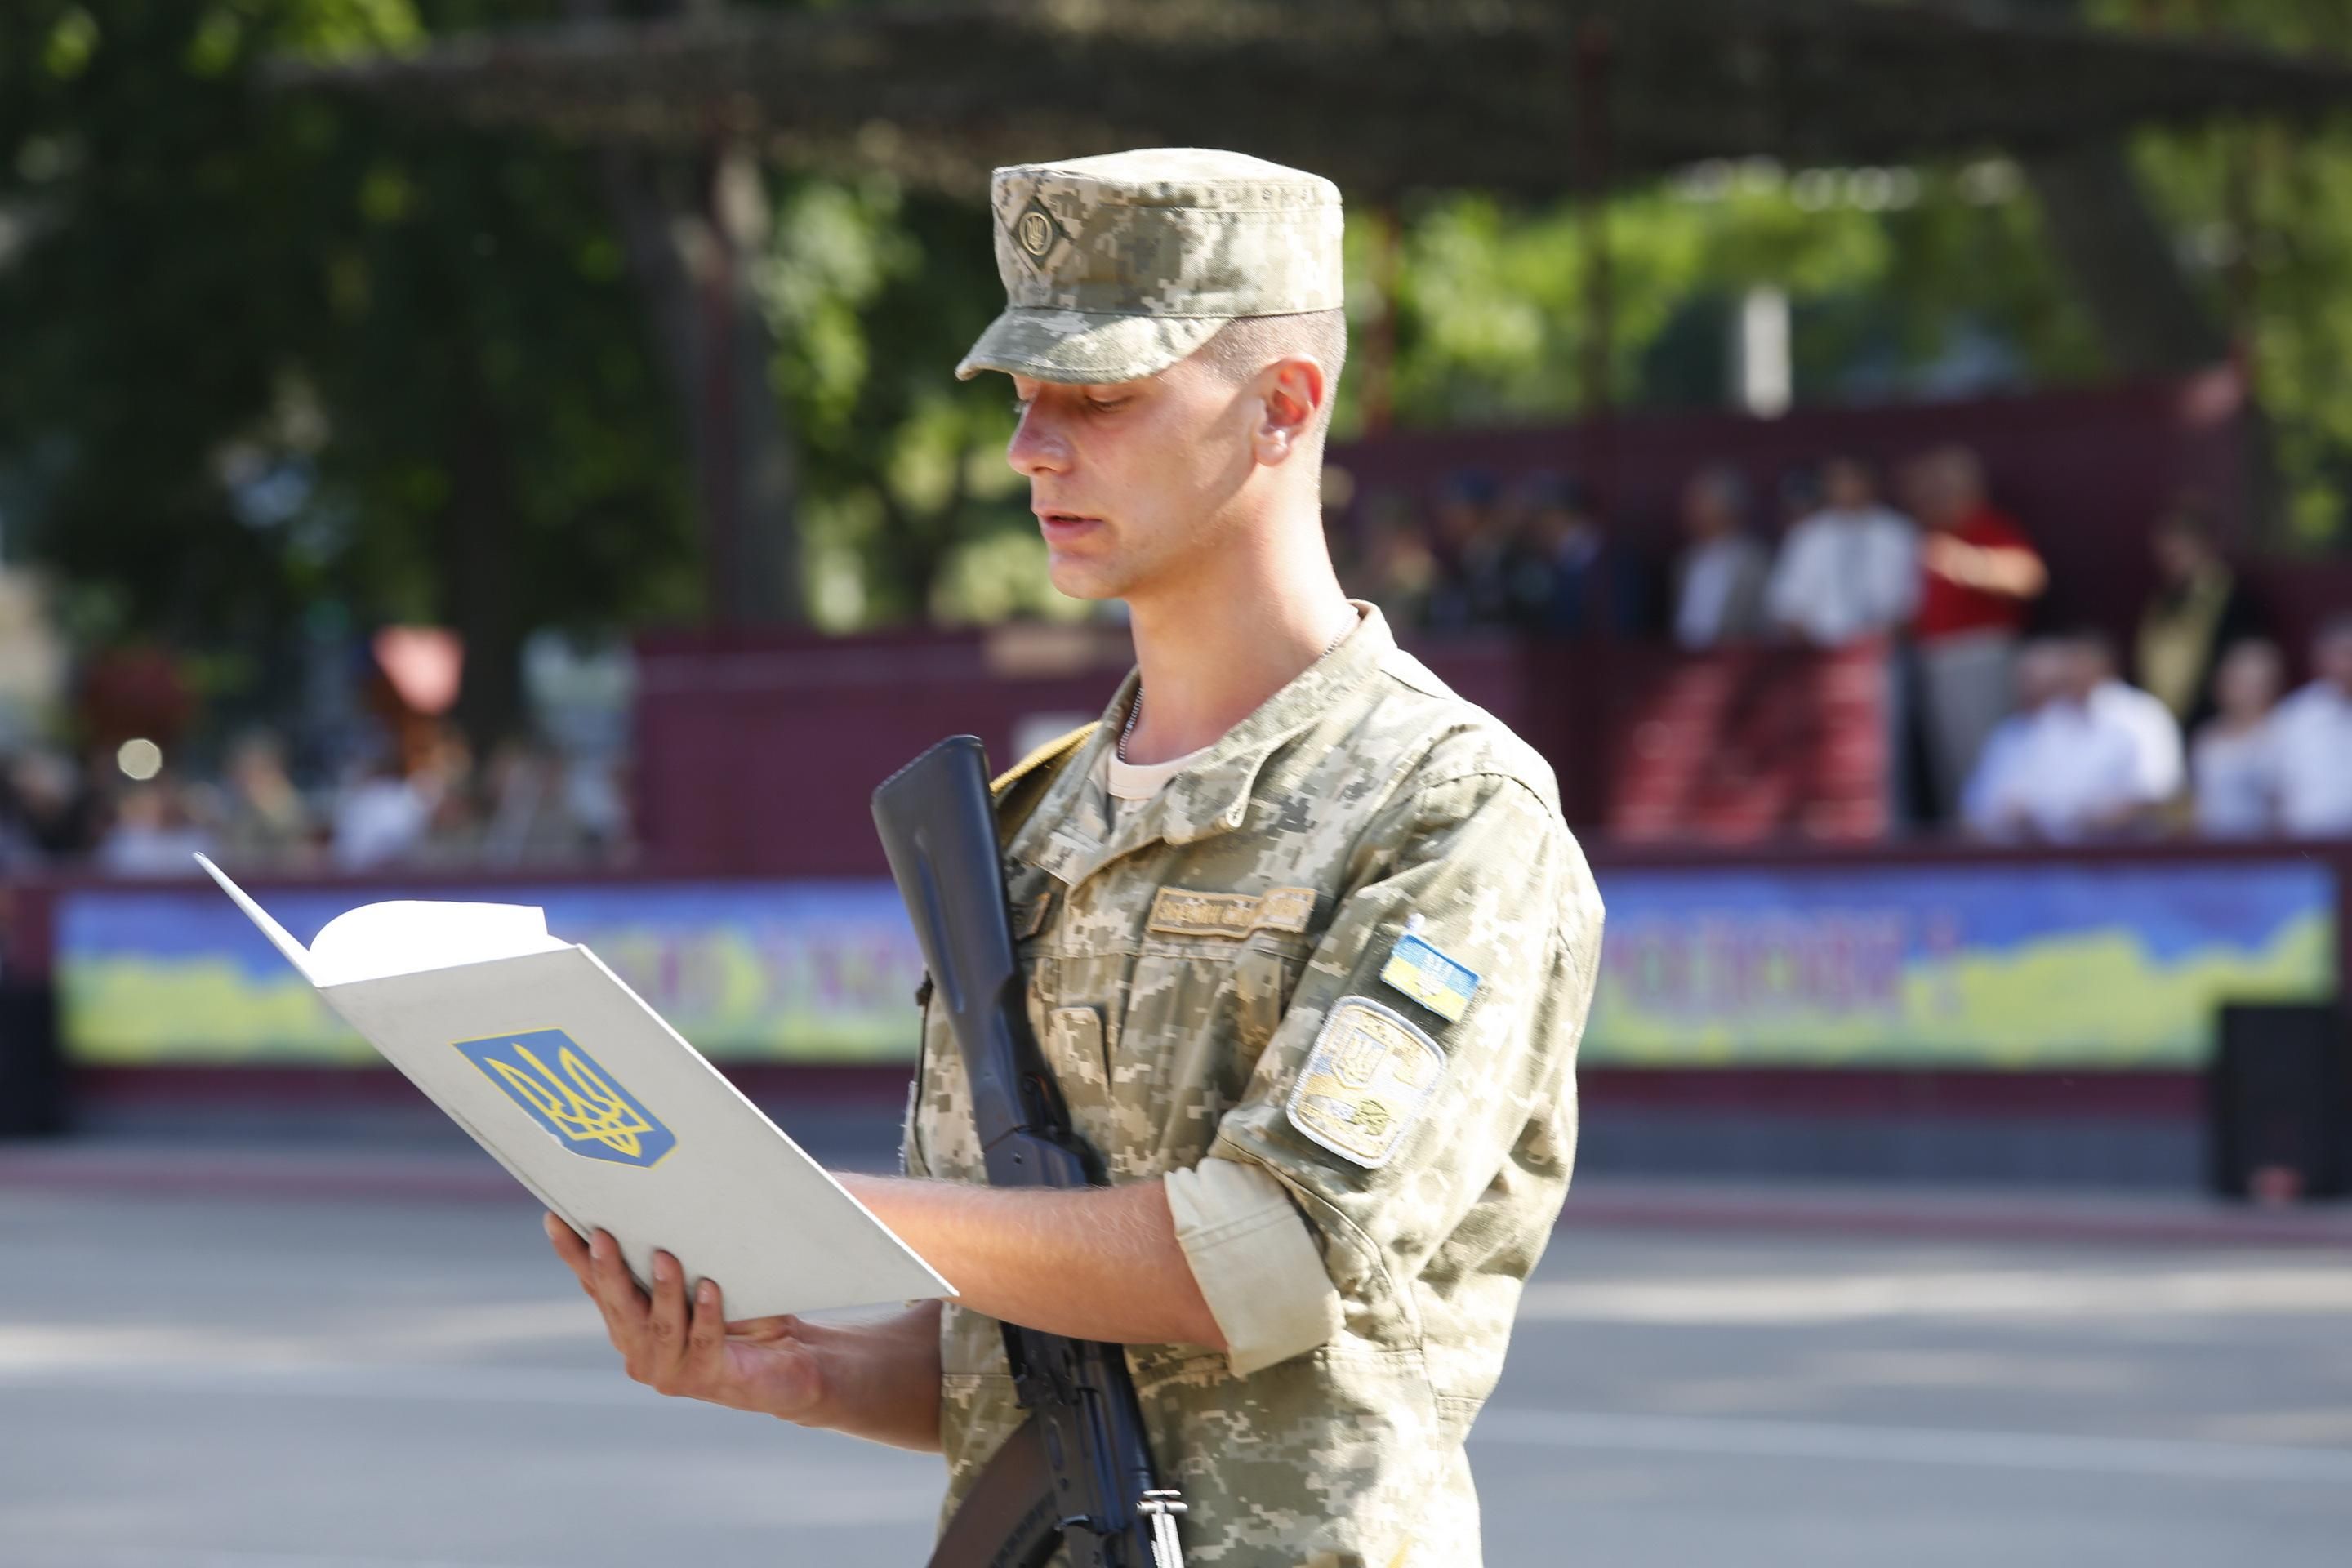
(1484, 873)
(1256, 1259)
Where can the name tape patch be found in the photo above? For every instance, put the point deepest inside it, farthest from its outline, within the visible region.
(1178, 911)
(1368, 1078)
(1429, 977)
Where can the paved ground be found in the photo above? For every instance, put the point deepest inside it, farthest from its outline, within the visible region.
(226, 1372)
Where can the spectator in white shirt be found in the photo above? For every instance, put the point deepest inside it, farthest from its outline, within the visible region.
(2232, 766)
(2161, 769)
(2061, 766)
(381, 819)
(2313, 733)
(155, 833)
(1848, 571)
(1719, 578)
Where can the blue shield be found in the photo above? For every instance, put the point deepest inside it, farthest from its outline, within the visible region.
(565, 1090)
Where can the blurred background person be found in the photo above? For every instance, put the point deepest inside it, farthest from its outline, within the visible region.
(2058, 767)
(265, 821)
(2197, 612)
(1343, 543)
(1567, 578)
(155, 832)
(20, 850)
(1978, 573)
(527, 818)
(55, 810)
(1720, 576)
(2312, 731)
(2232, 764)
(1395, 568)
(456, 827)
(1796, 496)
(1849, 569)
(2159, 768)
(381, 816)
(1473, 548)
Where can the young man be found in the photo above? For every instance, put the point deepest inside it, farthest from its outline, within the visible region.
(2312, 740)
(1978, 573)
(1849, 568)
(1307, 943)
(1719, 575)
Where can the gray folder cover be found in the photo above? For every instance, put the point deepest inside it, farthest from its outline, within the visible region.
(612, 1119)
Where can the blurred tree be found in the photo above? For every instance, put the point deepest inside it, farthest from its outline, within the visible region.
(265, 350)
(693, 229)
(1891, 273)
(2178, 250)
(875, 293)
(2261, 216)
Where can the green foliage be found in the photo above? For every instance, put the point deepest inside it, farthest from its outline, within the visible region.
(1883, 267)
(265, 349)
(909, 509)
(2264, 214)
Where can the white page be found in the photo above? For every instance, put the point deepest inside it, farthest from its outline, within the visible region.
(409, 936)
(401, 936)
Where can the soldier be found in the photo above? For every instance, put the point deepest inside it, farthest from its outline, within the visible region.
(1306, 940)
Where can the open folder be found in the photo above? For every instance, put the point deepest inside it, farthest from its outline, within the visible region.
(596, 1105)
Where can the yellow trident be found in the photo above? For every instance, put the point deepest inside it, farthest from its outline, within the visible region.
(586, 1108)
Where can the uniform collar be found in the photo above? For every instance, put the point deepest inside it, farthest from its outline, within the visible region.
(1071, 833)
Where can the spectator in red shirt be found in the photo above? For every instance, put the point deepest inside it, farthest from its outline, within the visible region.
(1978, 573)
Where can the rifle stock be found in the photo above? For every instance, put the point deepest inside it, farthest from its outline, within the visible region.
(1084, 1445)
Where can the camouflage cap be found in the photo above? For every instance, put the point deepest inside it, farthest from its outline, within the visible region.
(1117, 267)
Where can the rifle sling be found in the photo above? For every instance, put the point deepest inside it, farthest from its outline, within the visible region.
(1008, 1517)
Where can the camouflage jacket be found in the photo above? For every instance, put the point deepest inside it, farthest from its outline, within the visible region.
(1227, 973)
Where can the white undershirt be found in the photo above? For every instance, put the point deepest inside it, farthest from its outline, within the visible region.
(1140, 781)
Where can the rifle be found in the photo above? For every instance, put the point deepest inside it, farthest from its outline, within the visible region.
(1078, 1472)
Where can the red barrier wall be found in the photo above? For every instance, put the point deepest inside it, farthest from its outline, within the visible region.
(760, 757)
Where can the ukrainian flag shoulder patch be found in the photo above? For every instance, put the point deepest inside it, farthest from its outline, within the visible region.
(1419, 970)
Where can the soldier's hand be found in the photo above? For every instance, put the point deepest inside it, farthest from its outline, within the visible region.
(692, 1350)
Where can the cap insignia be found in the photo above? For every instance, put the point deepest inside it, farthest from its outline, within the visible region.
(1034, 232)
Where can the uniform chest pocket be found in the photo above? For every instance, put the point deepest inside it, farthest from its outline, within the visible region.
(1198, 1014)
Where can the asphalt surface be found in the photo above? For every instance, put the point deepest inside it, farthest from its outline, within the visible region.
(377, 1373)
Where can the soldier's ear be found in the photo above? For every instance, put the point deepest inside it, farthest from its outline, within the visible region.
(1294, 389)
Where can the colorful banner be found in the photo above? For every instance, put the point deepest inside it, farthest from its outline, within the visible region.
(2013, 965)
(2085, 965)
(785, 971)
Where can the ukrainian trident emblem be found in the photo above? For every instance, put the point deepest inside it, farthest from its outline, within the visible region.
(567, 1092)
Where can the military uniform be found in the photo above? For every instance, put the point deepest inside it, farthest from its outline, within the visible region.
(1328, 981)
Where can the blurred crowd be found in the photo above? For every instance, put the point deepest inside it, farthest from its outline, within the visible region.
(526, 805)
(366, 770)
(2008, 734)
(2006, 728)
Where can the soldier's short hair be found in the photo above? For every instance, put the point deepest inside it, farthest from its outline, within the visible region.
(1247, 345)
